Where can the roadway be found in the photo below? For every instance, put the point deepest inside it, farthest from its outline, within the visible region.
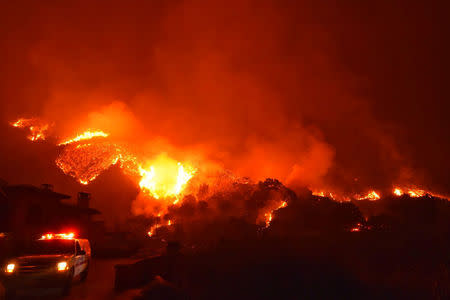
(98, 286)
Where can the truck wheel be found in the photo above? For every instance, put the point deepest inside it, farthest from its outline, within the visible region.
(68, 284)
(84, 275)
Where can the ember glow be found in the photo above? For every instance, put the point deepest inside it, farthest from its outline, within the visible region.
(36, 127)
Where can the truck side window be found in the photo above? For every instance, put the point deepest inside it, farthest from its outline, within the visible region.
(78, 248)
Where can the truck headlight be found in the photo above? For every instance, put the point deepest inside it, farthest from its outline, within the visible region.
(62, 266)
(10, 268)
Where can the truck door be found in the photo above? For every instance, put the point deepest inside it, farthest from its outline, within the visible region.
(80, 259)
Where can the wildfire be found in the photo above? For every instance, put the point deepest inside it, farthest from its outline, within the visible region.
(330, 195)
(269, 216)
(165, 178)
(36, 127)
(415, 193)
(87, 135)
(372, 196)
(86, 162)
(160, 178)
(318, 194)
(153, 228)
(398, 192)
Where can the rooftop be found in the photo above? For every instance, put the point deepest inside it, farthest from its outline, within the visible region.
(28, 189)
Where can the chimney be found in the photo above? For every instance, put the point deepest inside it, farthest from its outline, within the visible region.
(83, 199)
(46, 186)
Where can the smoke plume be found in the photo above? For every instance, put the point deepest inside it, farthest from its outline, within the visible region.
(261, 89)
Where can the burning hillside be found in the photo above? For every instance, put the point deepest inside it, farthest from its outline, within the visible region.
(168, 186)
(36, 127)
(200, 118)
(174, 193)
(85, 162)
(228, 87)
(86, 156)
(163, 181)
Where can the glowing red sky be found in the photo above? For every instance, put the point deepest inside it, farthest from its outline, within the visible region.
(306, 92)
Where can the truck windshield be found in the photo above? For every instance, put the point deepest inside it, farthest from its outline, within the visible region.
(50, 247)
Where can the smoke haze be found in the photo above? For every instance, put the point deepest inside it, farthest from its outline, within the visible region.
(332, 95)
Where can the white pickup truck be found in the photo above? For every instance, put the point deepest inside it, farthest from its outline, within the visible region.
(54, 260)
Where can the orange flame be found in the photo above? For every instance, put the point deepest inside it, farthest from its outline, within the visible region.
(36, 127)
(269, 216)
(398, 192)
(153, 228)
(87, 135)
(284, 204)
(318, 194)
(372, 196)
(165, 178)
(415, 193)
(323, 194)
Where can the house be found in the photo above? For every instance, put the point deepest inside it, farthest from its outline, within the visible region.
(27, 210)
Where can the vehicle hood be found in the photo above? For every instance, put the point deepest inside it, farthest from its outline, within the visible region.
(40, 259)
